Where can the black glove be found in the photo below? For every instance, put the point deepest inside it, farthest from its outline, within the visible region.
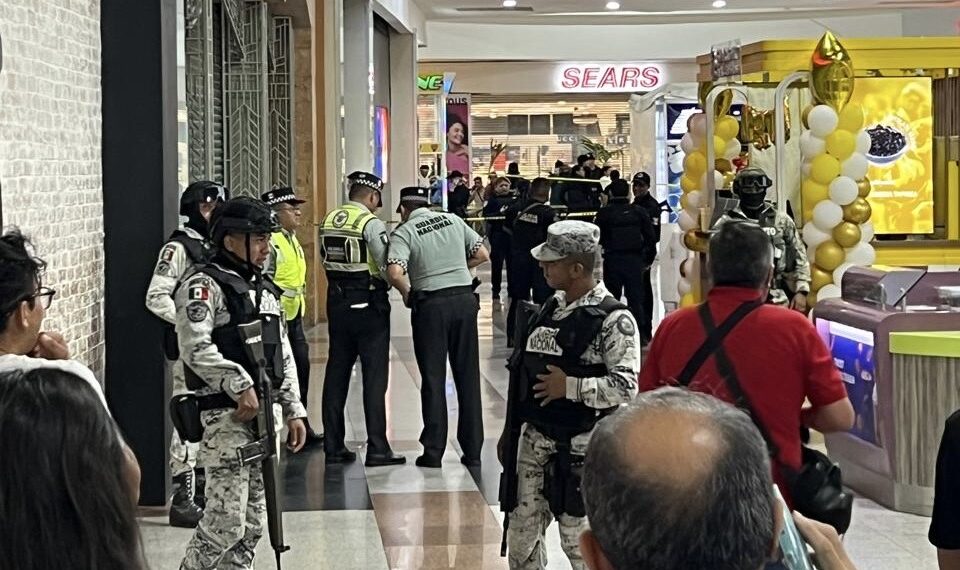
(476, 283)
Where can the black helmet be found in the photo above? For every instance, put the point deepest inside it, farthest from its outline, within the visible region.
(202, 192)
(243, 215)
(751, 180)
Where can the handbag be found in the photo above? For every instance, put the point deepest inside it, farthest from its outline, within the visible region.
(817, 487)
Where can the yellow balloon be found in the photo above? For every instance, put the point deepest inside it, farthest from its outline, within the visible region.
(863, 187)
(824, 169)
(688, 300)
(813, 193)
(858, 211)
(847, 234)
(728, 179)
(688, 184)
(819, 278)
(831, 73)
(811, 299)
(851, 119)
(727, 128)
(829, 255)
(719, 145)
(695, 164)
(841, 144)
(807, 215)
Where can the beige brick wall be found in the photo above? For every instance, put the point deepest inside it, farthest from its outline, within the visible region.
(50, 149)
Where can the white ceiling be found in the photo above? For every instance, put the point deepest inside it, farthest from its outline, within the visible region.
(656, 11)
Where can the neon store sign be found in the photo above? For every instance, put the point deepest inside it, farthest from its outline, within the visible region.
(609, 77)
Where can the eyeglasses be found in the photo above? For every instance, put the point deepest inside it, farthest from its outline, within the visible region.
(43, 295)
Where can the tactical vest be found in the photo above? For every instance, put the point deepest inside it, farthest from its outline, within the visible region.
(238, 294)
(528, 229)
(561, 343)
(626, 230)
(291, 274)
(344, 251)
(198, 250)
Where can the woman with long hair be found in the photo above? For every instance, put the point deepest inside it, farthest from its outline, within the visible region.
(458, 145)
(69, 486)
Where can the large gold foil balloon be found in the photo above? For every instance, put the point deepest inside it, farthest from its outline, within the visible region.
(863, 187)
(819, 278)
(721, 105)
(858, 211)
(831, 73)
(696, 241)
(847, 234)
(829, 256)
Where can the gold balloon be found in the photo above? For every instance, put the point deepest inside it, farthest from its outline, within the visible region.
(696, 240)
(819, 278)
(721, 105)
(805, 115)
(847, 234)
(758, 127)
(864, 187)
(831, 73)
(829, 255)
(811, 299)
(728, 179)
(722, 166)
(858, 211)
(688, 300)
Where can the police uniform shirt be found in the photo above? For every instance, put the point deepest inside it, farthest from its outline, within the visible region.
(376, 237)
(201, 307)
(652, 207)
(433, 248)
(617, 347)
(528, 223)
(172, 264)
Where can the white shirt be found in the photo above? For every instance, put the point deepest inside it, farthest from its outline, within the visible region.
(23, 363)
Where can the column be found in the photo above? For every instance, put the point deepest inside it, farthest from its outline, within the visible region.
(357, 86)
(403, 115)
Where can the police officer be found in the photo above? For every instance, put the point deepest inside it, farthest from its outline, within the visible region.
(287, 267)
(458, 197)
(218, 296)
(431, 255)
(648, 202)
(354, 249)
(629, 246)
(578, 362)
(495, 207)
(527, 222)
(791, 272)
(187, 246)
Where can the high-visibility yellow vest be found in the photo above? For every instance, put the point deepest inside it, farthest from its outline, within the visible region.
(291, 274)
(342, 247)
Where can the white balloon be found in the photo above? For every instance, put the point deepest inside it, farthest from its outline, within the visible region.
(827, 215)
(811, 252)
(806, 168)
(811, 146)
(814, 236)
(823, 120)
(866, 232)
(855, 167)
(843, 190)
(684, 286)
(733, 150)
(830, 291)
(698, 126)
(686, 221)
(687, 143)
(694, 198)
(861, 254)
(838, 272)
(717, 180)
(864, 142)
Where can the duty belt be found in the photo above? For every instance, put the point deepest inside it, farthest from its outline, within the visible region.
(448, 292)
(294, 293)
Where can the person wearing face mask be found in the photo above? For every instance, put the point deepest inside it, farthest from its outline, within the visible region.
(354, 251)
(791, 277)
(186, 247)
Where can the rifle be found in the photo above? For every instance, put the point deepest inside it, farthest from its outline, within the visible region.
(516, 393)
(264, 449)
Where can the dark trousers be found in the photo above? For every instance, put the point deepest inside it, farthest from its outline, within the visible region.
(447, 326)
(499, 255)
(301, 355)
(646, 325)
(623, 273)
(525, 274)
(363, 333)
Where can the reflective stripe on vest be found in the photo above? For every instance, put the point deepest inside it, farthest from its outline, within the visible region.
(291, 274)
(342, 245)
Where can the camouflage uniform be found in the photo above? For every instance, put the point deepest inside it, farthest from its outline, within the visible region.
(791, 272)
(618, 348)
(232, 524)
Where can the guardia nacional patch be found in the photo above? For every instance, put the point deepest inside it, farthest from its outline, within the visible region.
(625, 325)
(168, 252)
(197, 312)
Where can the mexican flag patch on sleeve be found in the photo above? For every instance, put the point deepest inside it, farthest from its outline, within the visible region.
(199, 294)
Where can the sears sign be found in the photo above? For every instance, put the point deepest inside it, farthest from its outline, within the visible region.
(609, 77)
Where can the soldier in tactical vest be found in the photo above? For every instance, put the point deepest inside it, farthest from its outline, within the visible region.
(578, 360)
(791, 270)
(212, 303)
(186, 247)
(354, 250)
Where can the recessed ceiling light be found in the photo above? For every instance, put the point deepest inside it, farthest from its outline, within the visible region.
(613, 5)
(561, 102)
(719, 3)
(509, 3)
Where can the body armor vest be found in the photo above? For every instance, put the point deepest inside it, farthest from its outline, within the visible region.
(345, 254)
(561, 343)
(626, 229)
(198, 250)
(529, 231)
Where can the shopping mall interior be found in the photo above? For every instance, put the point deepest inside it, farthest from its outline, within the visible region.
(111, 109)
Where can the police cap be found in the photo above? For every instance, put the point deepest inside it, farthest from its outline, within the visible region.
(566, 238)
(413, 195)
(366, 179)
(243, 215)
(641, 178)
(281, 195)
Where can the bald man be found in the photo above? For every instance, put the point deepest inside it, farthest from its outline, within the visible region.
(679, 479)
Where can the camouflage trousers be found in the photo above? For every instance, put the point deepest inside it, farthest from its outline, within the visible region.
(529, 521)
(183, 454)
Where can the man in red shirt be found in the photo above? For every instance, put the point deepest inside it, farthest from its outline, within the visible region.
(777, 355)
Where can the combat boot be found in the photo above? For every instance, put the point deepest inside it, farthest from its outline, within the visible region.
(184, 513)
(200, 487)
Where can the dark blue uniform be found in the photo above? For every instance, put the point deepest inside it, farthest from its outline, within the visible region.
(527, 223)
(499, 239)
(653, 209)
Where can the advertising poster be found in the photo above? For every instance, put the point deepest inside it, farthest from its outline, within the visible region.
(458, 134)
(899, 118)
(381, 143)
(852, 351)
(677, 116)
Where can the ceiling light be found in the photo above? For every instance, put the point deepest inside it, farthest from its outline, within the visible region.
(719, 3)
(509, 3)
(493, 115)
(561, 102)
(613, 5)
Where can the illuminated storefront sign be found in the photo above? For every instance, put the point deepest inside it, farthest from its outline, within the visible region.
(435, 82)
(609, 77)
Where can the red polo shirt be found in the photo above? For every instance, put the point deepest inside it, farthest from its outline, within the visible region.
(778, 356)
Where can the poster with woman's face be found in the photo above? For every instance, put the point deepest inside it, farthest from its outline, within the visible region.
(458, 134)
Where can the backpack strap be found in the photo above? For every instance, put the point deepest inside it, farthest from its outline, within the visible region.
(715, 336)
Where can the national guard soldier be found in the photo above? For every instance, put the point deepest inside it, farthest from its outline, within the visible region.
(629, 247)
(646, 200)
(187, 246)
(431, 255)
(527, 221)
(287, 268)
(579, 360)
(353, 245)
(212, 303)
(791, 271)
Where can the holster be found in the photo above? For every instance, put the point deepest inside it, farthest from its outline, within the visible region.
(562, 475)
(185, 413)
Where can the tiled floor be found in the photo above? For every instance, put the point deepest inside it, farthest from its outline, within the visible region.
(353, 517)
